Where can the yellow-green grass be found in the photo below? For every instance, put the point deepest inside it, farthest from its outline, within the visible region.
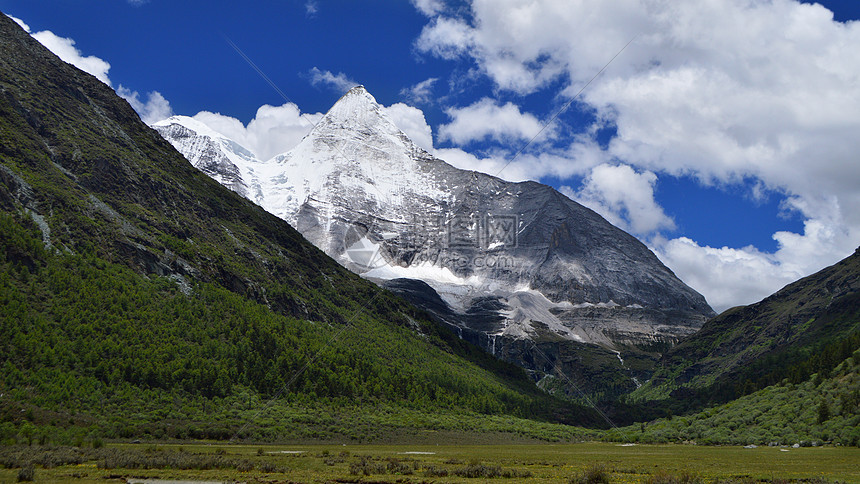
(547, 463)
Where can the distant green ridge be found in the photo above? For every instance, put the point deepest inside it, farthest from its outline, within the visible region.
(820, 410)
(808, 327)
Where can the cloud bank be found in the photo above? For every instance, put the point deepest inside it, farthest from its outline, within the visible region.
(719, 90)
(420, 93)
(153, 110)
(486, 119)
(272, 131)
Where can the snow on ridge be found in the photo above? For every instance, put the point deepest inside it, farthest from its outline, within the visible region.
(191, 124)
(357, 170)
(426, 272)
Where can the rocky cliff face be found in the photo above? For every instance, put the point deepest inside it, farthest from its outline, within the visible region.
(503, 261)
(213, 154)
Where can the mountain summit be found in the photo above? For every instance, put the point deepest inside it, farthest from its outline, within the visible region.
(504, 263)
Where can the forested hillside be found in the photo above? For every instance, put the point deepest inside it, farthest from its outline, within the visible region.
(138, 296)
(823, 409)
(808, 327)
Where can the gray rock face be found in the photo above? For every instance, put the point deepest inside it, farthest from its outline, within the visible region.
(209, 154)
(510, 261)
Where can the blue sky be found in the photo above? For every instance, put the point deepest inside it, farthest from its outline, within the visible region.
(723, 136)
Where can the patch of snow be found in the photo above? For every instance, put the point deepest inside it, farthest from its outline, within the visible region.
(425, 271)
(528, 306)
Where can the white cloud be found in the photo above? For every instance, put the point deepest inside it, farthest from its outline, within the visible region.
(277, 129)
(274, 129)
(339, 82)
(411, 121)
(624, 197)
(64, 48)
(447, 38)
(576, 160)
(733, 276)
(155, 109)
(730, 277)
(722, 90)
(312, 7)
(486, 119)
(468, 161)
(429, 7)
(20, 23)
(727, 277)
(420, 93)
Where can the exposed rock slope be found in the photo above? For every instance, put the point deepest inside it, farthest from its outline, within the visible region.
(511, 261)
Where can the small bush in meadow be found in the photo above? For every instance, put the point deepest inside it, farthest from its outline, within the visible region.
(26, 473)
(433, 471)
(594, 474)
(663, 477)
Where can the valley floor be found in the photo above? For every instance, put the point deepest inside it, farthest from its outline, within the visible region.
(417, 463)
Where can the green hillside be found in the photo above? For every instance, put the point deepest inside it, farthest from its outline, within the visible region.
(138, 297)
(813, 412)
(808, 327)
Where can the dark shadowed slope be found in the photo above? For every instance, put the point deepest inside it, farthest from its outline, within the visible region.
(808, 326)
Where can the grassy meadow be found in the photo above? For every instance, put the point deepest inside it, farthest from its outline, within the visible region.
(418, 463)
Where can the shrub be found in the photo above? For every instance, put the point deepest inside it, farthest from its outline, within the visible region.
(595, 474)
(26, 473)
(479, 470)
(433, 471)
(663, 477)
(366, 466)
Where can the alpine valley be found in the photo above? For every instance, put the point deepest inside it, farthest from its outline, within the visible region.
(138, 297)
(143, 297)
(516, 268)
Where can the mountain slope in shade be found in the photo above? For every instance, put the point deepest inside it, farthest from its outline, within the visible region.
(806, 327)
(511, 261)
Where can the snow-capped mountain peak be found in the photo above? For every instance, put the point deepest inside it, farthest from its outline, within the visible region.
(354, 156)
(510, 260)
(356, 112)
(213, 153)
